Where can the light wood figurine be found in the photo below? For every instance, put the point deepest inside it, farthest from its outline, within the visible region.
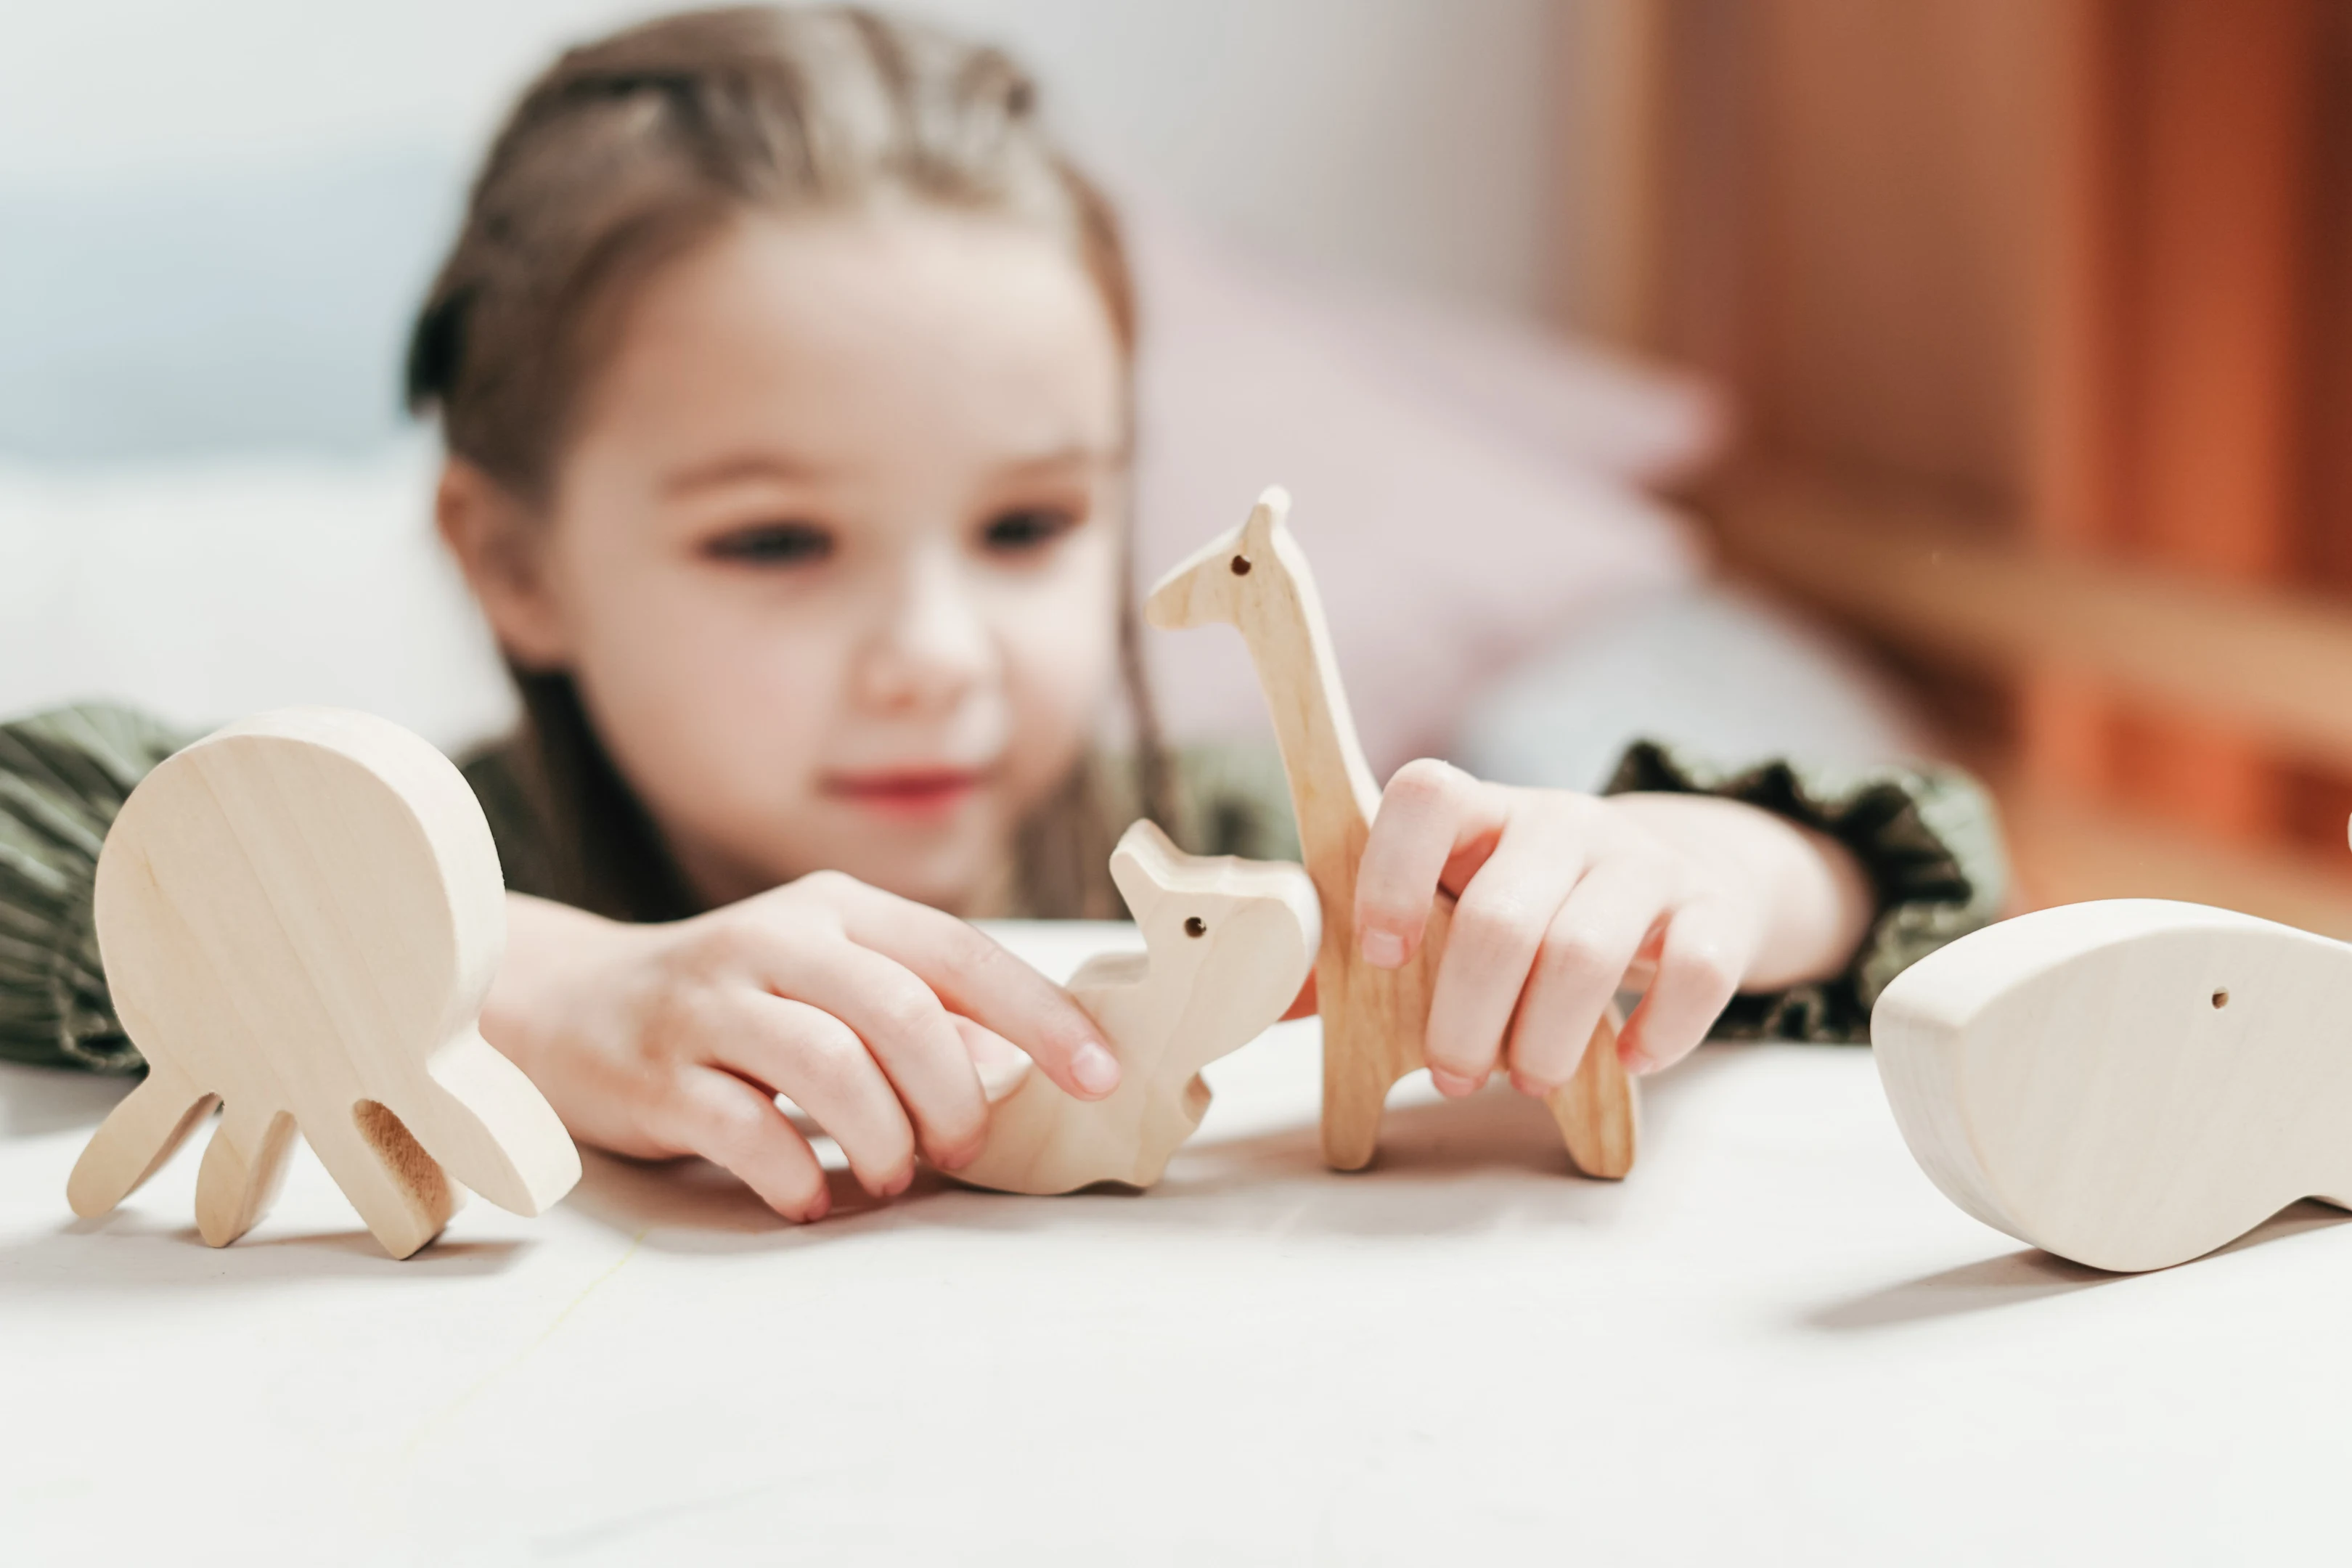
(1228, 942)
(1375, 1020)
(2129, 1083)
(300, 916)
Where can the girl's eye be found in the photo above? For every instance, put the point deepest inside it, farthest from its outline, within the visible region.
(1026, 528)
(772, 544)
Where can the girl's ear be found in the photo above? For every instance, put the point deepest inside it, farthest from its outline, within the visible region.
(498, 548)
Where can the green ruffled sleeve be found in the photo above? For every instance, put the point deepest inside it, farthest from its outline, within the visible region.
(63, 776)
(1927, 838)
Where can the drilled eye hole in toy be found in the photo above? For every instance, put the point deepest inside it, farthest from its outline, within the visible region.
(1241, 565)
(1195, 926)
(2222, 997)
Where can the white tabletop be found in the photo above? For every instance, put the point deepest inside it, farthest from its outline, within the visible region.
(1775, 1342)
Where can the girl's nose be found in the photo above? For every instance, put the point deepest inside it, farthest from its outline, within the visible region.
(931, 645)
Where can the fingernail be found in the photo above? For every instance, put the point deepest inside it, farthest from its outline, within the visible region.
(899, 1183)
(1096, 1070)
(961, 1157)
(1384, 948)
(819, 1209)
(1452, 1084)
(1530, 1087)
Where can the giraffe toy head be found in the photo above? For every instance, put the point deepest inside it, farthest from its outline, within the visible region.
(1212, 585)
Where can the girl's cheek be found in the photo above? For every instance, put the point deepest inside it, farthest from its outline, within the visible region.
(703, 682)
(1062, 644)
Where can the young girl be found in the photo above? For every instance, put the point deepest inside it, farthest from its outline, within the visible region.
(783, 366)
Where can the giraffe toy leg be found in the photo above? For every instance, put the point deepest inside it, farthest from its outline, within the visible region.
(1597, 1109)
(1356, 1086)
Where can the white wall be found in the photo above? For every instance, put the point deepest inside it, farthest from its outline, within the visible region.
(1413, 141)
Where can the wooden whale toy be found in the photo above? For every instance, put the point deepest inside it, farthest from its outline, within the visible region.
(300, 916)
(1255, 577)
(1227, 945)
(2128, 1083)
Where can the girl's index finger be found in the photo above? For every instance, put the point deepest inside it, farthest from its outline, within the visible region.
(1429, 814)
(975, 976)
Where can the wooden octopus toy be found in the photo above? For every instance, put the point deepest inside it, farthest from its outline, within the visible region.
(1228, 942)
(1375, 1020)
(300, 916)
(2129, 1083)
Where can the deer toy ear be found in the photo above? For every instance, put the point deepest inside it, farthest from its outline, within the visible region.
(1145, 866)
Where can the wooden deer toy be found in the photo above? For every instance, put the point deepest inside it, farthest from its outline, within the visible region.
(1375, 1020)
(300, 916)
(2129, 1083)
(1228, 942)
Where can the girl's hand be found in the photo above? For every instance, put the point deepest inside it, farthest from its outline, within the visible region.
(867, 1009)
(1565, 898)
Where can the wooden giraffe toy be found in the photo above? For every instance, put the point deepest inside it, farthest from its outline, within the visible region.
(300, 916)
(2129, 1083)
(1255, 577)
(1228, 942)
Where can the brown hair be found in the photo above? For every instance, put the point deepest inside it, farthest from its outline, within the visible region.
(628, 152)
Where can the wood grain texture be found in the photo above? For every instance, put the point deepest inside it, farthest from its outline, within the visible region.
(2128, 1083)
(1228, 942)
(300, 916)
(1255, 577)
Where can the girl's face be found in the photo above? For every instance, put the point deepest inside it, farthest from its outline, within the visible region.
(834, 552)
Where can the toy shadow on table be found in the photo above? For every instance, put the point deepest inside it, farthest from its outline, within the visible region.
(2027, 1275)
(127, 1253)
(1445, 1168)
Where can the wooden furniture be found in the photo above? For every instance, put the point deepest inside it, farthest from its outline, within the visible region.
(300, 916)
(1228, 942)
(1256, 578)
(2038, 314)
(2129, 1083)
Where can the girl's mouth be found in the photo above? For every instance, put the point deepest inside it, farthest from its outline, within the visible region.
(907, 792)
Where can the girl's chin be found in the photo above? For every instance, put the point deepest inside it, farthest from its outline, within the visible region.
(937, 857)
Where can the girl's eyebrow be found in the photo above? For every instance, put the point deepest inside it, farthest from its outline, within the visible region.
(739, 467)
(736, 468)
(1078, 455)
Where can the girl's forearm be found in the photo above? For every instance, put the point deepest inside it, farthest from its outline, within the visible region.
(1814, 900)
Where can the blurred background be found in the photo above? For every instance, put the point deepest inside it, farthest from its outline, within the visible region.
(1833, 376)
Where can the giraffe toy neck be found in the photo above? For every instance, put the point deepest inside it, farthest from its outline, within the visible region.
(1331, 786)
